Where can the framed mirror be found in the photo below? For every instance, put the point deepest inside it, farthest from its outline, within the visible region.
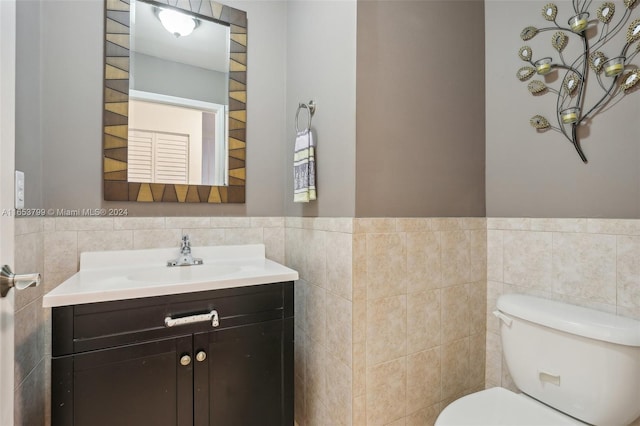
(213, 166)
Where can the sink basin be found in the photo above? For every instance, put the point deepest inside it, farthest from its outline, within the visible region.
(129, 274)
(177, 274)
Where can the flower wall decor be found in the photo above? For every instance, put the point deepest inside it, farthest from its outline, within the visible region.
(615, 74)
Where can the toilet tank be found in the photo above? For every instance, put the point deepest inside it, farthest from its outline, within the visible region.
(583, 362)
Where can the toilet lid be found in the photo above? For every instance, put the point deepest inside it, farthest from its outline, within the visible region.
(501, 407)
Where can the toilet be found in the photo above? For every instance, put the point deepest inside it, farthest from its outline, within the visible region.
(573, 365)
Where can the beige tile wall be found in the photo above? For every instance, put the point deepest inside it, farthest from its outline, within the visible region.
(390, 317)
(390, 313)
(30, 361)
(588, 262)
(320, 249)
(419, 297)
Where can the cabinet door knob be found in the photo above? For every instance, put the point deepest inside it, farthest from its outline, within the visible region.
(201, 356)
(185, 360)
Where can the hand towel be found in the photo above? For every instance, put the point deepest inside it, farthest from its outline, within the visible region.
(304, 168)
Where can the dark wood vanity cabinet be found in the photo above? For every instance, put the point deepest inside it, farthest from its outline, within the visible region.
(117, 363)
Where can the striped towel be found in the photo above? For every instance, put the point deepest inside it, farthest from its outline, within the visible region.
(304, 168)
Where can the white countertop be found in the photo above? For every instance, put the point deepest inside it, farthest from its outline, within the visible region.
(131, 274)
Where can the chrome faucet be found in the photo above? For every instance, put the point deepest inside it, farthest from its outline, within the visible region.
(185, 257)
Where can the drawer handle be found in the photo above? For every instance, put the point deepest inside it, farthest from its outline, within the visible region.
(211, 316)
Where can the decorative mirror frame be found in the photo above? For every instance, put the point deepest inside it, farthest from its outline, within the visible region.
(116, 108)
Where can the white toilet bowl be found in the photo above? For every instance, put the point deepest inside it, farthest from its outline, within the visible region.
(501, 407)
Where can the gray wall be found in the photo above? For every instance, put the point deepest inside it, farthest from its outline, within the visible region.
(532, 174)
(71, 103)
(28, 97)
(432, 169)
(171, 78)
(413, 157)
(420, 109)
(71, 76)
(321, 66)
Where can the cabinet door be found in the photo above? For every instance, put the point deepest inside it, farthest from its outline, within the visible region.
(141, 384)
(248, 379)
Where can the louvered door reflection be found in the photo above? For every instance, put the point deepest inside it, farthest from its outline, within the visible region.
(158, 157)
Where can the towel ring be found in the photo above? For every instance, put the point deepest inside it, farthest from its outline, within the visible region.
(311, 109)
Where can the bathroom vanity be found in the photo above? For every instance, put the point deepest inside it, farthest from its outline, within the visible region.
(144, 344)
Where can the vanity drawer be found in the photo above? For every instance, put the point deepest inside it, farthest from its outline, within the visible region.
(87, 327)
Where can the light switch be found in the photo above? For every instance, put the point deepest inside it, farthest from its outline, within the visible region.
(19, 189)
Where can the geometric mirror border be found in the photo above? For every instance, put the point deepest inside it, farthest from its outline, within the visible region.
(116, 109)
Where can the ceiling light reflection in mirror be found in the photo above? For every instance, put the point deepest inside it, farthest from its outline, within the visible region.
(177, 23)
(175, 74)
